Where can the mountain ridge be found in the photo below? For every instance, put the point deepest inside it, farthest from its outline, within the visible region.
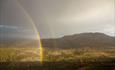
(80, 40)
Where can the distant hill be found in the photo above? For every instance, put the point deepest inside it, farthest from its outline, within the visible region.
(19, 43)
(92, 40)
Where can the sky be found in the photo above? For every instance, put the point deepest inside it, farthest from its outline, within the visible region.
(55, 18)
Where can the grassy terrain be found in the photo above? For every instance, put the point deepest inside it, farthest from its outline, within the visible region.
(57, 59)
(55, 55)
(12, 54)
(79, 55)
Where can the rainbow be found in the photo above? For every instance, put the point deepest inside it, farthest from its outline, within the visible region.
(35, 29)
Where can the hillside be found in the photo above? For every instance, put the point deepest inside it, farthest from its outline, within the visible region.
(60, 53)
(92, 40)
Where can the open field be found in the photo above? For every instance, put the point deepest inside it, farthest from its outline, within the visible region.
(12, 54)
(55, 55)
(57, 59)
(79, 55)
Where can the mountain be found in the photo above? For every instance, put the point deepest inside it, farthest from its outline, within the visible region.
(19, 43)
(94, 40)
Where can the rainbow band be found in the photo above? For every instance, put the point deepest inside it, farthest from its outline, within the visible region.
(35, 29)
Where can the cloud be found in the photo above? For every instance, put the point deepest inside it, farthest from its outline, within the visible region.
(110, 30)
(8, 27)
(55, 18)
(14, 29)
(7, 31)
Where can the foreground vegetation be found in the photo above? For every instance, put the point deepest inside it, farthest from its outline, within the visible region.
(55, 55)
(12, 54)
(79, 55)
(57, 59)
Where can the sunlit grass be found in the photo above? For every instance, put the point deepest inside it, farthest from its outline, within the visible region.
(78, 55)
(19, 54)
(12, 54)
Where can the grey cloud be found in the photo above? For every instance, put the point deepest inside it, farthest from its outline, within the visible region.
(55, 18)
